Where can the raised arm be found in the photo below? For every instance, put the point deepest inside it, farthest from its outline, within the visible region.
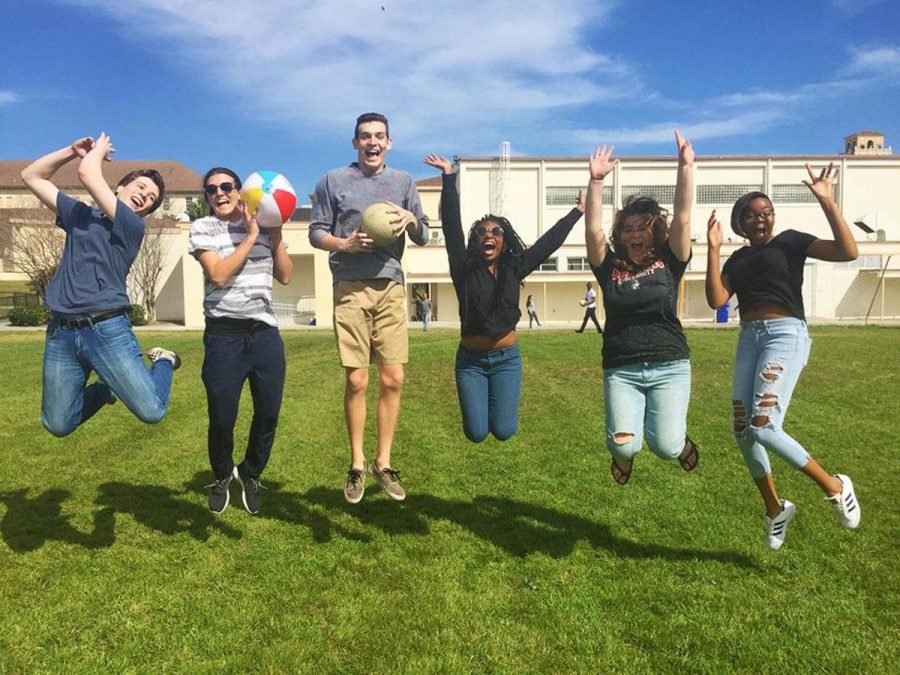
(717, 288)
(553, 238)
(220, 270)
(601, 163)
(680, 232)
(37, 175)
(90, 173)
(843, 247)
(451, 221)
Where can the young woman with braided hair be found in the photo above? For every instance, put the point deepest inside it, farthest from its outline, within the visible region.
(488, 271)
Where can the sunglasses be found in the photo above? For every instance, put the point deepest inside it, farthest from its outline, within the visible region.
(226, 188)
(494, 231)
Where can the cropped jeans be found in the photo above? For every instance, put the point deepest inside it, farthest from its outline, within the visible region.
(771, 354)
(111, 350)
(489, 385)
(651, 399)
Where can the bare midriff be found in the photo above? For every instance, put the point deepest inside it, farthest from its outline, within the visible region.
(489, 343)
(764, 309)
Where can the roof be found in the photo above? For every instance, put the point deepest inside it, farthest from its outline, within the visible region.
(864, 132)
(434, 181)
(178, 177)
(835, 157)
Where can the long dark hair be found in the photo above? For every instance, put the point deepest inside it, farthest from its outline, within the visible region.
(513, 253)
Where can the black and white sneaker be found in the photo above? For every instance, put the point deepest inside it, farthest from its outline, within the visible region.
(845, 503)
(158, 353)
(250, 492)
(218, 495)
(776, 528)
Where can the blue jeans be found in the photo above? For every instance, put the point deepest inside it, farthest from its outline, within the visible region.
(489, 384)
(651, 399)
(426, 317)
(771, 354)
(111, 349)
(231, 360)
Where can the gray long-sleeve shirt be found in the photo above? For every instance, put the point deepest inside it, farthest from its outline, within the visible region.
(341, 197)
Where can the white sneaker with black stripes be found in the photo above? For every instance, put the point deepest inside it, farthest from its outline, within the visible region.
(845, 503)
(776, 528)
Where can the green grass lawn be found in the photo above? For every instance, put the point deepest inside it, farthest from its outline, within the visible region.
(515, 556)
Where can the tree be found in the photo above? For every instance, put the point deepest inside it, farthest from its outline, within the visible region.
(144, 275)
(198, 208)
(36, 250)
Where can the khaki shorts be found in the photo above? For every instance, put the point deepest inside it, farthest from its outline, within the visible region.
(370, 322)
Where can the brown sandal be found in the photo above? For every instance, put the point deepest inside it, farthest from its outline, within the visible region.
(620, 475)
(689, 458)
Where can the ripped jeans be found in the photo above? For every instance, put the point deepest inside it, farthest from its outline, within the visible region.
(771, 354)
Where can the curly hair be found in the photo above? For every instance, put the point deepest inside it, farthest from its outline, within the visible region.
(513, 249)
(655, 216)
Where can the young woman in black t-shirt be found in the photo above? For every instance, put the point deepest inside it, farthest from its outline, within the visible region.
(487, 273)
(774, 343)
(646, 361)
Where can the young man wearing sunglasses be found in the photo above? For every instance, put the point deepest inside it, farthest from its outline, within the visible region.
(370, 312)
(241, 340)
(89, 329)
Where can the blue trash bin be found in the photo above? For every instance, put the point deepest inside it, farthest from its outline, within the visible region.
(722, 313)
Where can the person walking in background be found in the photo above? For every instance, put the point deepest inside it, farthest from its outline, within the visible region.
(426, 310)
(241, 341)
(590, 309)
(773, 344)
(531, 308)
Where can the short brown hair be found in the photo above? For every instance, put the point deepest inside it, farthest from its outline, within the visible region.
(153, 175)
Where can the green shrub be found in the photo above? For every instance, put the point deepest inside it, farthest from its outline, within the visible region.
(28, 316)
(137, 315)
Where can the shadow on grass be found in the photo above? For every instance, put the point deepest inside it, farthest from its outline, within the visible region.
(518, 528)
(31, 522)
(164, 510)
(285, 506)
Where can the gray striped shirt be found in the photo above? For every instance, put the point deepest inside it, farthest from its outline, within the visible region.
(248, 294)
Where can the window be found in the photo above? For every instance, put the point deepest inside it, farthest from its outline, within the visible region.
(549, 265)
(167, 203)
(795, 193)
(664, 194)
(188, 201)
(578, 265)
(567, 196)
(723, 194)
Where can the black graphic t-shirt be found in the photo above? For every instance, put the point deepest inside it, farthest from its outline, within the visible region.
(641, 306)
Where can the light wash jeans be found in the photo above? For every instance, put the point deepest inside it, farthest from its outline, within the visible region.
(489, 384)
(771, 354)
(651, 399)
(110, 349)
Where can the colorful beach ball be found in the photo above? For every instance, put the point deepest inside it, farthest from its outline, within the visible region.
(270, 196)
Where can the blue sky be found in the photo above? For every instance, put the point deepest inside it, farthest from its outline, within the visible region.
(277, 84)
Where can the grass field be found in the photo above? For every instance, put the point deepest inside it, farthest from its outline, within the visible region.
(516, 556)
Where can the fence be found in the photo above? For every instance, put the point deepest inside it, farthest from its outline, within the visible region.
(298, 311)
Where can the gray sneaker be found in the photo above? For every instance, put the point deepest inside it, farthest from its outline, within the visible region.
(158, 353)
(355, 487)
(389, 479)
(218, 495)
(250, 492)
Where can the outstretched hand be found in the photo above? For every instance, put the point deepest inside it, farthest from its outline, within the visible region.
(104, 146)
(601, 162)
(82, 146)
(822, 185)
(685, 150)
(714, 231)
(439, 162)
(403, 219)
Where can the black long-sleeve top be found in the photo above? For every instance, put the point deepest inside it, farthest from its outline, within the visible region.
(489, 305)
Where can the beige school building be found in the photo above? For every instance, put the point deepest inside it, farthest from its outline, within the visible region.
(535, 192)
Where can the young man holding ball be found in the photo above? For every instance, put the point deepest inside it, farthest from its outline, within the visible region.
(370, 321)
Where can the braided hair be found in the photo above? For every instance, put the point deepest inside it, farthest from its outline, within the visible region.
(513, 251)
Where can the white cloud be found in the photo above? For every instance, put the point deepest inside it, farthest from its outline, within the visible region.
(9, 97)
(874, 62)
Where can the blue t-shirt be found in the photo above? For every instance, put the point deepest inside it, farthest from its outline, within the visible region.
(96, 257)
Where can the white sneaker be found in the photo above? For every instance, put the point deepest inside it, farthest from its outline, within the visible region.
(776, 528)
(845, 503)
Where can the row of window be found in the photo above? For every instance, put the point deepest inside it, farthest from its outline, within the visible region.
(782, 193)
